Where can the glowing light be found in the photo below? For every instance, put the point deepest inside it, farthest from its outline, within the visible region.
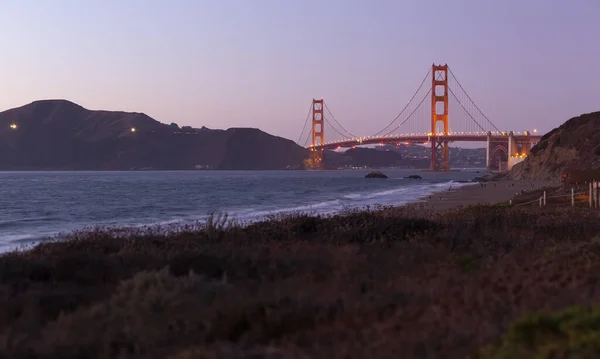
(534, 130)
(133, 129)
(13, 126)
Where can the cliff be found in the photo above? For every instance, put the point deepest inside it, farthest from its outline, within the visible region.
(61, 135)
(574, 146)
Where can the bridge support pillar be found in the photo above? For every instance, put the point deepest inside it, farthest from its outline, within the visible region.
(318, 135)
(439, 154)
(488, 149)
(439, 97)
(526, 148)
(513, 151)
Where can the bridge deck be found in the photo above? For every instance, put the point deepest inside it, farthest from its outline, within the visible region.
(426, 139)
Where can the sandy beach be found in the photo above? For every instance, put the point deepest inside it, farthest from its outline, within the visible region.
(486, 193)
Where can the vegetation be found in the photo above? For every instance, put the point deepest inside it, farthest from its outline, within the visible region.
(570, 333)
(388, 282)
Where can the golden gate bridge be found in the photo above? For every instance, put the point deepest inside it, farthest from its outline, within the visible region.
(424, 122)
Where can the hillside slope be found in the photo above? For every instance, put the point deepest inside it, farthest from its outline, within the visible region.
(61, 135)
(575, 145)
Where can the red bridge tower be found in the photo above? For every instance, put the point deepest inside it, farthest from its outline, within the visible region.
(318, 134)
(439, 97)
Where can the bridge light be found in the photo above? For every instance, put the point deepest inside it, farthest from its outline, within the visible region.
(534, 130)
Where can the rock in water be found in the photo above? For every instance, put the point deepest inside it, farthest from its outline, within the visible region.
(414, 177)
(376, 174)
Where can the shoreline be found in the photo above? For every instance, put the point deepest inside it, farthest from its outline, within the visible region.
(485, 193)
(439, 201)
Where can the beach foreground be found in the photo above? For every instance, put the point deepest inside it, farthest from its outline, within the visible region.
(491, 192)
(393, 283)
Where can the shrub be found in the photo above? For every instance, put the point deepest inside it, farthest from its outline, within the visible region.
(570, 333)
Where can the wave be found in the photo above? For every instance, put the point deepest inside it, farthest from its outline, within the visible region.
(321, 207)
(356, 200)
(19, 222)
(368, 195)
(21, 241)
(419, 190)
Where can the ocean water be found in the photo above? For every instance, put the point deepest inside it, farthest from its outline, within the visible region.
(39, 205)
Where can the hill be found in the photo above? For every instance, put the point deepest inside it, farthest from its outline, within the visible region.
(61, 135)
(401, 156)
(361, 157)
(419, 156)
(574, 146)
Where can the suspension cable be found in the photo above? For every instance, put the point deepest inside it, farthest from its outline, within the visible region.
(336, 121)
(409, 116)
(335, 129)
(305, 124)
(473, 102)
(308, 133)
(467, 111)
(405, 107)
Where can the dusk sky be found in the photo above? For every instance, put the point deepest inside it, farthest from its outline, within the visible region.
(223, 63)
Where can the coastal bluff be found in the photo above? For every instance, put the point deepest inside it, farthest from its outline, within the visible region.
(573, 146)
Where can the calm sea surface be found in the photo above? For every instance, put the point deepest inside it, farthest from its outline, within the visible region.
(40, 205)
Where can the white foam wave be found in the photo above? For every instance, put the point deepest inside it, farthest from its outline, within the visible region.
(322, 207)
(369, 195)
(396, 196)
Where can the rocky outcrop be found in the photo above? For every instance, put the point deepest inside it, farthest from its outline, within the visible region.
(414, 177)
(573, 146)
(376, 174)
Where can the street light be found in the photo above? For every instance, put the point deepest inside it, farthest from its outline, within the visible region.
(133, 129)
(13, 126)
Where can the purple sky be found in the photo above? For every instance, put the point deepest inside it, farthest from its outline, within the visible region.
(526, 63)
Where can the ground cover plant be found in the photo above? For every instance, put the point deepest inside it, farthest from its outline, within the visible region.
(388, 282)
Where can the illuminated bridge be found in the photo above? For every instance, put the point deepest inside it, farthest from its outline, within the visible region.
(425, 122)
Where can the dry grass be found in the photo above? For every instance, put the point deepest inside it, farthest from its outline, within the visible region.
(393, 282)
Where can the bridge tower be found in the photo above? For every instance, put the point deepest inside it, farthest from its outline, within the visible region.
(318, 134)
(439, 95)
